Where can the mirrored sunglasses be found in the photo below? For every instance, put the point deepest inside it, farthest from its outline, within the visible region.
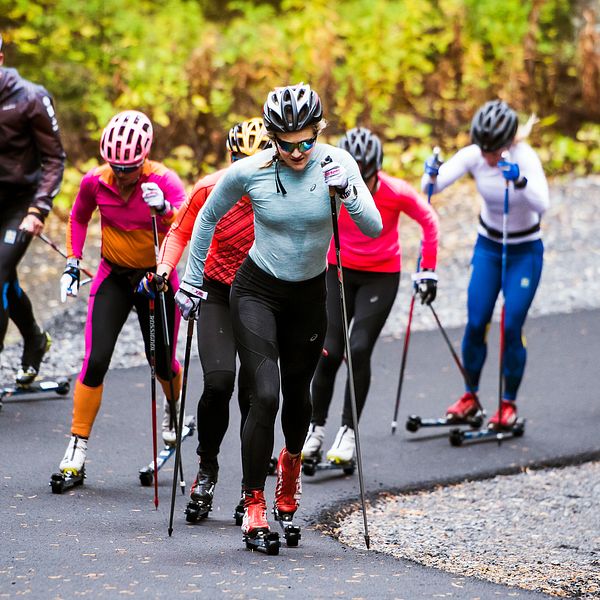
(303, 145)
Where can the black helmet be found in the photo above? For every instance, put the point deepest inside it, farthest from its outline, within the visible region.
(494, 126)
(366, 149)
(291, 108)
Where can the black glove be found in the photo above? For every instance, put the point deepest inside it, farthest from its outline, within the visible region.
(152, 283)
(426, 284)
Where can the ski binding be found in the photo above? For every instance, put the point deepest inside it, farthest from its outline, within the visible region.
(264, 541)
(291, 532)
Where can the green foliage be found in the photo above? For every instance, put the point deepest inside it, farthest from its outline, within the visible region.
(412, 71)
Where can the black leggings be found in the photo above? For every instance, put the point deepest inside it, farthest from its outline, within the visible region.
(13, 244)
(112, 297)
(369, 300)
(217, 349)
(275, 320)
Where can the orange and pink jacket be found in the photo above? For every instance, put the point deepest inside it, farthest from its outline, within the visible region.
(127, 238)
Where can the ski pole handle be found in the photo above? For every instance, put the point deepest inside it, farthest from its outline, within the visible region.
(52, 245)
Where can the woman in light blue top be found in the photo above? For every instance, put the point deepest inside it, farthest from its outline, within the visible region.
(278, 295)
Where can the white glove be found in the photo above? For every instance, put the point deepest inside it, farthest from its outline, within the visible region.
(188, 299)
(335, 175)
(69, 282)
(153, 196)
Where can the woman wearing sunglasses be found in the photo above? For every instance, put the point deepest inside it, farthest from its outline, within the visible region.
(278, 294)
(216, 344)
(371, 279)
(125, 190)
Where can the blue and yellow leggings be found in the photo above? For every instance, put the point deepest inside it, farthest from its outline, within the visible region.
(523, 272)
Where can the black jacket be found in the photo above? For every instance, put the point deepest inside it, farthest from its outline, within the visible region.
(31, 153)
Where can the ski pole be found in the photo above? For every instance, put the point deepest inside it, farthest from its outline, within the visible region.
(336, 237)
(186, 365)
(456, 358)
(436, 154)
(52, 245)
(152, 327)
(167, 349)
(403, 362)
(505, 157)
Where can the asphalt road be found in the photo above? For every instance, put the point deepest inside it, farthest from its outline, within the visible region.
(105, 540)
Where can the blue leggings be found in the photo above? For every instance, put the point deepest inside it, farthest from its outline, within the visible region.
(523, 272)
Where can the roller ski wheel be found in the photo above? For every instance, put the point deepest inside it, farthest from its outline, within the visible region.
(272, 466)
(309, 466)
(291, 532)
(456, 438)
(146, 477)
(519, 428)
(61, 482)
(263, 541)
(196, 511)
(413, 423)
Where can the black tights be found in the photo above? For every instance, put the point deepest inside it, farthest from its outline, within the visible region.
(14, 303)
(217, 349)
(369, 299)
(276, 321)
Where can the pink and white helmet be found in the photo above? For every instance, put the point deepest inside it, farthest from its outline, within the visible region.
(126, 140)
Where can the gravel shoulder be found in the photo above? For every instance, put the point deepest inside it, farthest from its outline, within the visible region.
(538, 530)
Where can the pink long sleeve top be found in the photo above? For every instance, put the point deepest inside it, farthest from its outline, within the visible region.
(383, 254)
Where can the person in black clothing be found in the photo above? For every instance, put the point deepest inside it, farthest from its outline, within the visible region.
(31, 168)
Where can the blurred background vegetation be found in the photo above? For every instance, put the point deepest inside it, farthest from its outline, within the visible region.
(414, 72)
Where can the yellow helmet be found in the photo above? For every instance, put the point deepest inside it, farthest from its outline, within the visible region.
(248, 137)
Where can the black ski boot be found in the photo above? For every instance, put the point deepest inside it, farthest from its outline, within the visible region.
(203, 490)
(33, 353)
(238, 513)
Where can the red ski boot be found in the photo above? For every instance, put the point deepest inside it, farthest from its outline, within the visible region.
(255, 526)
(288, 488)
(255, 514)
(506, 418)
(464, 408)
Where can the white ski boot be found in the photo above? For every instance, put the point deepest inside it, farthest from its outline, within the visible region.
(169, 435)
(313, 442)
(73, 462)
(343, 447)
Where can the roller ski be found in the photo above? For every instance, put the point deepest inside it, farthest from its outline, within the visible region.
(72, 466)
(257, 534)
(146, 474)
(203, 490)
(61, 387)
(503, 425)
(340, 456)
(414, 422)
(465, 411)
